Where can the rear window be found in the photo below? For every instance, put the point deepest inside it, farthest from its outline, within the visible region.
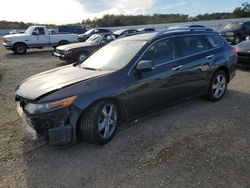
(192, 45)
(213, 40)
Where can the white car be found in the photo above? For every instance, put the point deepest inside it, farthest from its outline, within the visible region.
(36, 37)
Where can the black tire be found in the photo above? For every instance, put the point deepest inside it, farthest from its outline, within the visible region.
(92, 118)
(63, 42)
(80, 57)
(217, 89)
(20, 48)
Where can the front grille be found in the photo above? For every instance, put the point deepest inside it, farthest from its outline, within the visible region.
(243, 54)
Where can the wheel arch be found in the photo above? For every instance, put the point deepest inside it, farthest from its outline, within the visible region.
(122, 111)
(20, 43)
(62, 42)
(225, 69)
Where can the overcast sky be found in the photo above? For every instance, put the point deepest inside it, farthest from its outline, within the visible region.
(72, 11)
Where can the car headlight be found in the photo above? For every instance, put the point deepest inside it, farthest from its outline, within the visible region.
(229, 34)
(7, 40)
(67, 52)
(40, 108)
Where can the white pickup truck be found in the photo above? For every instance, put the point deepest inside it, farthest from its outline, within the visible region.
(36, 37)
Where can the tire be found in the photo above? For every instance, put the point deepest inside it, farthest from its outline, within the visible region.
(63, 42)
(82, 56)
(20, 48)
(217, 86)
(98, 123)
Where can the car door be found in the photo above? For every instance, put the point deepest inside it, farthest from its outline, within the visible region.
(150, 90)
(39, 38)
(193, 66)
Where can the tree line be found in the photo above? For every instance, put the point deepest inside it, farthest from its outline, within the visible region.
(110, 20)
(123, 20)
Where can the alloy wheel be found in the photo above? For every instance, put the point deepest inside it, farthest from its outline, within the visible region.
(107, 121)
(219, 86)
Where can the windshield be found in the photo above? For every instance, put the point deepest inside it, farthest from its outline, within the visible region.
(233, 26)
(113, 56)
(89, 32)
(94, 39)
(29, 31)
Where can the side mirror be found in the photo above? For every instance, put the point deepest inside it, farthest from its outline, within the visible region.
(145, 66)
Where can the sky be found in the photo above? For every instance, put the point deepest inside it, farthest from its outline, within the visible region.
(73, 11)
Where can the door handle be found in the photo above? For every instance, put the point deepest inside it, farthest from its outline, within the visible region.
(210, 56)
(177, 68)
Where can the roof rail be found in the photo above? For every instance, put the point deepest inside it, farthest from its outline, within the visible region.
(185, 29)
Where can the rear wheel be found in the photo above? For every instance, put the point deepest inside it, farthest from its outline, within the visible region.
(63, 42)
(217, 86)
(98, 124)
(20, 48)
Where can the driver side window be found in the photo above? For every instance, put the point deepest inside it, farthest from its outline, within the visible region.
(161, 52)
(39, 31)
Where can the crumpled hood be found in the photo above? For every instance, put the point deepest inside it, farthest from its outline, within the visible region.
(75, 45)
(40, 84)
(243, 46)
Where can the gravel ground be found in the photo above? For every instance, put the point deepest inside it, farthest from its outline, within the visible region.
(193, 144)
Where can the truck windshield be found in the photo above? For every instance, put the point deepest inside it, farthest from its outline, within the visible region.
(29, 31)
(233, 26)
(113, 56)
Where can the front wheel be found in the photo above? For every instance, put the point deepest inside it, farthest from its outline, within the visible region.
(98, 123)
(81, 57)
(20, 48)
(217, 86)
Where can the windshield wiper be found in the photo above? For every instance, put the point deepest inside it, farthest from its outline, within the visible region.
(90, 68)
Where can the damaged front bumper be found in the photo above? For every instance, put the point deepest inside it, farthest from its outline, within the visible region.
(59, 126)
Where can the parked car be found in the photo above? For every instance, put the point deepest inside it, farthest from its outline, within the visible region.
(130, 34)
(236, 32)
(146, 29)
(123, 80)
(78, 52)
(89, 33)
(124, 32)
(243, 52)
(71, 29)
(36, 37)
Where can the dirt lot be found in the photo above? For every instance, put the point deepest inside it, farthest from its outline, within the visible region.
(194, 144)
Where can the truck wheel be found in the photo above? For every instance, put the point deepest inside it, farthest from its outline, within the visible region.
(81, 57)
(98, 123)
(217, 86)
(63, 42)
(20, 48)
